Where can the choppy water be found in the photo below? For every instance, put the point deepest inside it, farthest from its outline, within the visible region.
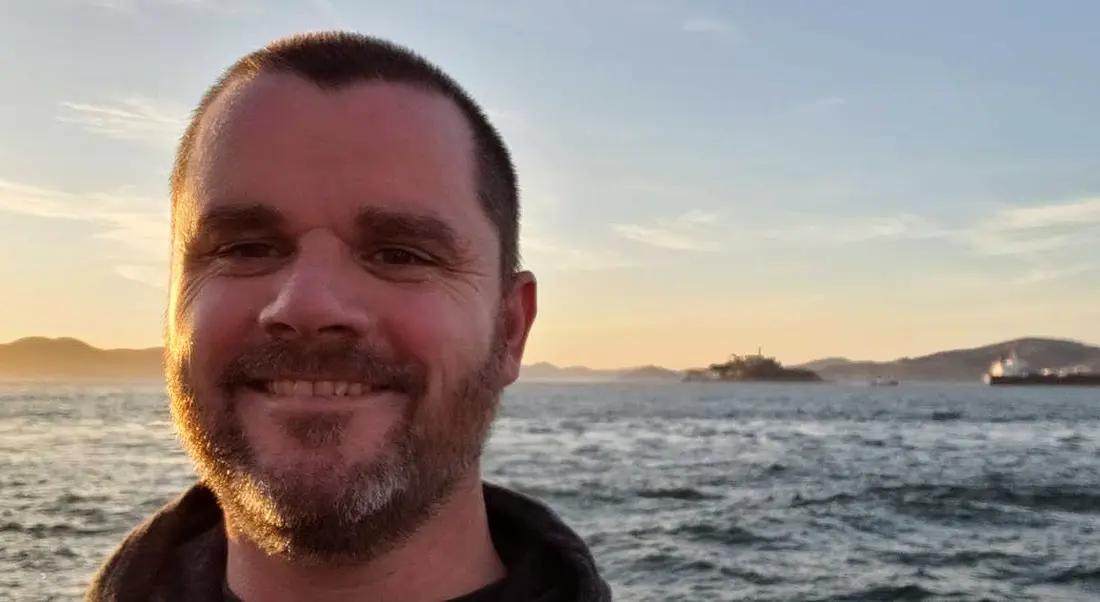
(685, 492)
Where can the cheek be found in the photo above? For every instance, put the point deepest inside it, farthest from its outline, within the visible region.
(213, 323)
(445, 333)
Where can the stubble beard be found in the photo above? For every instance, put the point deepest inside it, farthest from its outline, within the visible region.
(374, 505)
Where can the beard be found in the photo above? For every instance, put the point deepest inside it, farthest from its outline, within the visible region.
(364, 509)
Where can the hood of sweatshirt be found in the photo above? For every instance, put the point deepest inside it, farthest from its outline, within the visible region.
(178, 554)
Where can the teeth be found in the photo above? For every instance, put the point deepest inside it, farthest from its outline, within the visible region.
(322, 388)
(303, 388)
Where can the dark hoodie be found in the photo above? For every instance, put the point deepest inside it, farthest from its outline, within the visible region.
(178, 555)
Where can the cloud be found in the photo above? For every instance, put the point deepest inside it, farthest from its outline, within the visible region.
(136, 119)
(686, 232)
(558, 256)
(1009, 243)
(697, 230)
(696, 217)
(1018, 231)
(1038, 231)
(153, 276)
(808, 229)
(1039, 275)
(134, 223)
(1048, 215)
(1047, 242)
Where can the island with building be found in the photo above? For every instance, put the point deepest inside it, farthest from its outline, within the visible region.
(751, 368)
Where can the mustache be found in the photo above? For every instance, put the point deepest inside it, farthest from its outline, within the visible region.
(324, 361)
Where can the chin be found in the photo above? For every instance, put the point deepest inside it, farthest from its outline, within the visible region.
(323, 511)
(318, 489)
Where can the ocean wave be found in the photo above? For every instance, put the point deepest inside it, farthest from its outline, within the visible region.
(881, 593)
(1047, 498)
(1080, 574)
(703, 532)
(684, 494)
(52, 530)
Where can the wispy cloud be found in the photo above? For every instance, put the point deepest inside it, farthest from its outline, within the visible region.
(134, 223)
(1038, 231)
(1041, 274)
(805, 228)
(1013, 243)
(1086, 211)
(136, 119)
(154, 276)
(689, 231)
(563, 257)
(1046, 242)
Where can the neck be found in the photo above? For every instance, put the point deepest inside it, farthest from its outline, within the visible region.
(450, 555)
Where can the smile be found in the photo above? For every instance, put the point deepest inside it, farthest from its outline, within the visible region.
(318, 388)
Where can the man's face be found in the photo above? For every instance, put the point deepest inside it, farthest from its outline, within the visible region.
(338, 329)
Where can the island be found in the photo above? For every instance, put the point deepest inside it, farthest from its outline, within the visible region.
(751, 368)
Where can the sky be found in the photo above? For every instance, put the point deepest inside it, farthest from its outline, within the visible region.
(863, 179)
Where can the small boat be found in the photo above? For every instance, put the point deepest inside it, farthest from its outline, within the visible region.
(883, 382)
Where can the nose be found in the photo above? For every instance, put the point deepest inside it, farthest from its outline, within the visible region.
(315, 299)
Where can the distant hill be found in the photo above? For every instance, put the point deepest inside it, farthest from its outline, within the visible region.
(825, 364)
(547, 371)
(36, 357)
(650, 373)
(962, 364)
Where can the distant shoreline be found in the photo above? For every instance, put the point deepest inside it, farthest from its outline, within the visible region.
(69, 359)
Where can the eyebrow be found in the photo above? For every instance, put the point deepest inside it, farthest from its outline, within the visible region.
(236, 219)
(376, 223)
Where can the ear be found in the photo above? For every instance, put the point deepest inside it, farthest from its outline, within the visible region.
(520, 304)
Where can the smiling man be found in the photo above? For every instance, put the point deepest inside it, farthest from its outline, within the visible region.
(345, 309)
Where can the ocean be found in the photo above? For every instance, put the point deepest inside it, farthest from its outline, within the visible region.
(685, 491)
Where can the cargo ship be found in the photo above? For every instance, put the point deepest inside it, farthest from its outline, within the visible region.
(1011, 370)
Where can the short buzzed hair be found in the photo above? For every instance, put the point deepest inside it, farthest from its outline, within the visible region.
(333, 60)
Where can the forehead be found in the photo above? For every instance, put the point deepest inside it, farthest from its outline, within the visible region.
(321, 156)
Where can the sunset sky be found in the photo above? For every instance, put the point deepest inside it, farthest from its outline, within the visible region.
(863, 178)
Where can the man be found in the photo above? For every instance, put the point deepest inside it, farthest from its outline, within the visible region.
(345, 309)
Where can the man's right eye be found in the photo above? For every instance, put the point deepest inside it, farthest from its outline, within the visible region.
(249, 250)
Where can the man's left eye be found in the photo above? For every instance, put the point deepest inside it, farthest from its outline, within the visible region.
(396, 256)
